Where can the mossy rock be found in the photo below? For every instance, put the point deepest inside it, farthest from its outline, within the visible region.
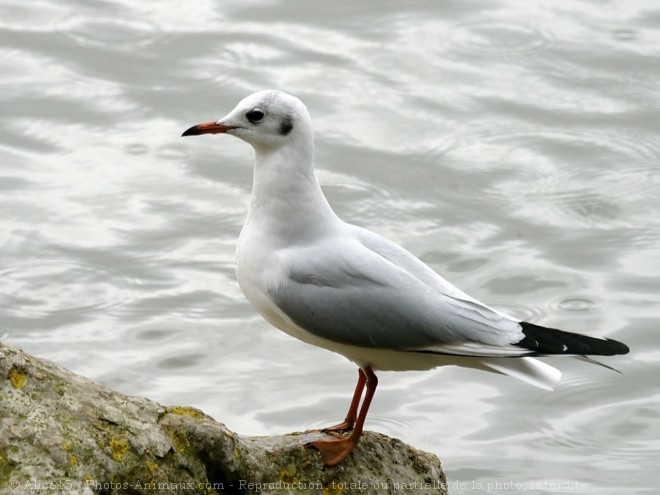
(62, 433)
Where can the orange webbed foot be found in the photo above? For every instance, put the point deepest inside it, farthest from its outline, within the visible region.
(334, 451)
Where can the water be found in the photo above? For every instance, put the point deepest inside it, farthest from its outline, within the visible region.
(514, 146)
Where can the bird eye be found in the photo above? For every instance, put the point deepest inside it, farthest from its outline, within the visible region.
(255, 115)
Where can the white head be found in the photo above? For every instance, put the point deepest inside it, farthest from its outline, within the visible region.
(266, 120)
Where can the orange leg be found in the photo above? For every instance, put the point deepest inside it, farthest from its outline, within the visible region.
(335, 451)
(351, 416)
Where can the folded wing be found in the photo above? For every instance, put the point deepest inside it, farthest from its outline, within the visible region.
(351, 294)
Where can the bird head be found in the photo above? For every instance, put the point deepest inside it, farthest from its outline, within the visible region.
(266, 120)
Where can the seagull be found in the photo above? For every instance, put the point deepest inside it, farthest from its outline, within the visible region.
(351, 291)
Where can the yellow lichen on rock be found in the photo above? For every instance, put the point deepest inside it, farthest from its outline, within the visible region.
(180, 440)
(186, 411)
(288, 477)
(118, 448)
(17, 378)
(336, 490)
(152, 467)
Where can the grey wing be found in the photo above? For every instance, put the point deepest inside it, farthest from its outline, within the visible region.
(415, 267)
(353, 295)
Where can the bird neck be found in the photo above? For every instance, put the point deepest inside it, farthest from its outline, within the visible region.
(286, 194)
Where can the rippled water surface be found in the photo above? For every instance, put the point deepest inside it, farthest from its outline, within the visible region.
(513, 146)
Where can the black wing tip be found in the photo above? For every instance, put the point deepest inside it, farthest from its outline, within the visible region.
(619, 347)
(545, 340)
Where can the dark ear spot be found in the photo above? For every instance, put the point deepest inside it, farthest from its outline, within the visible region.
(286, 126)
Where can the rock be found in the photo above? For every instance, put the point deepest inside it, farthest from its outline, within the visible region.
(62, 433)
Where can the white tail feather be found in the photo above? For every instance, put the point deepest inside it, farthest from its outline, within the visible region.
(528, 370)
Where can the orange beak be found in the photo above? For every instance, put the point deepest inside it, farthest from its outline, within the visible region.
(212, 127)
